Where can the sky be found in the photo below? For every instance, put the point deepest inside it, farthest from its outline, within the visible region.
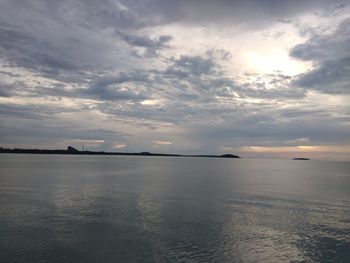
(258, 78)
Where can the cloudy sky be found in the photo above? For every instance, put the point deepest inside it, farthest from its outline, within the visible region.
(257, 78)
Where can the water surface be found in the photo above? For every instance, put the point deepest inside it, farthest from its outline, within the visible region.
(60, 208)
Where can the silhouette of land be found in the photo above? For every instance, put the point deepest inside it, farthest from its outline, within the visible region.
(72, 150)
(301, 159)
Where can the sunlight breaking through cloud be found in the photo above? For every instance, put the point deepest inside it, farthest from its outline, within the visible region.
(122, 71)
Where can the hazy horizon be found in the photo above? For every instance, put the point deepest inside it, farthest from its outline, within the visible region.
(260, 79)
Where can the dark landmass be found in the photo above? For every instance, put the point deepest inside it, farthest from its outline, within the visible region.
(72, 150)
(301, 159)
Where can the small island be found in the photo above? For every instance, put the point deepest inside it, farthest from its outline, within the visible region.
(301, 159)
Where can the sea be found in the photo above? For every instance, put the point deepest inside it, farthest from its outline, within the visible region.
(75, 208)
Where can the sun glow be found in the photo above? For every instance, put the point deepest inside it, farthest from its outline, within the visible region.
(270, 61)
(151, 102)
(297, 149)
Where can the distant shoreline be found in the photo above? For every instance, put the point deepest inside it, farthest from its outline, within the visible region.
(72, 151)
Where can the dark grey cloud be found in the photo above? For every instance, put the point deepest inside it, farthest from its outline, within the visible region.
(113, 93)
(189, 66)
(61, 39)
(35, 112)
(194, 65)
(17, 88)
(225, 12)
(331, 77)
(5, 90)
(10, 74)
(330, 54)
(151, 45)
(121, 87)
(53, 55)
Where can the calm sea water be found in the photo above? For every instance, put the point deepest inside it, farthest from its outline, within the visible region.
(155, 209)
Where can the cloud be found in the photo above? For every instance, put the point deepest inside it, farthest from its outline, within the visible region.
(119, 146)
(132, 72)
(61, 40)
(151, 45)
(226, 12)
(6, 90)
(299, 141)
(189, 67)
(330, 54)
(162, 142)
(111, 88)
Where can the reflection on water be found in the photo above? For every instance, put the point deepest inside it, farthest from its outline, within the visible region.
(137, 209)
